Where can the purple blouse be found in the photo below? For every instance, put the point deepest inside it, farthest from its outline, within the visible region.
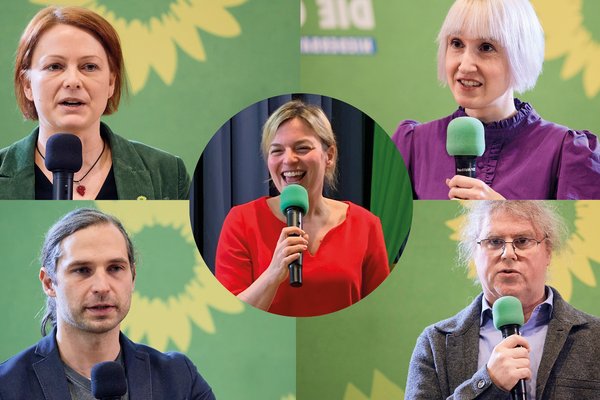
(525, 158)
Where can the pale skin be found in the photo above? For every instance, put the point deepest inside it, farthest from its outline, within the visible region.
(520, 273)
(92, 288)
(478, 75)
(297, 149)
(70, 82)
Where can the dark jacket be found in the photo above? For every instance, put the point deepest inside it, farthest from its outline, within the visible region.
(141, 172)
(38, 374)
(444, 361)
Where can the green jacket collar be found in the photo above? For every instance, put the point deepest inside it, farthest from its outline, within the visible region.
(17, 168)
(17, 173)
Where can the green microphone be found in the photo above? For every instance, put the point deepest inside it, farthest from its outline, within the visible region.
(465, 140)
(507, 313)
(293, 203)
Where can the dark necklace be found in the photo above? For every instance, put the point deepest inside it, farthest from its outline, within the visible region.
(80, 188)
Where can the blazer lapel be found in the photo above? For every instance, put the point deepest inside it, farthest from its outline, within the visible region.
(462, 350)
(462, 343)
(17, 171)
(562, 321)
(131, 175)
(49, 370)
(137, 370)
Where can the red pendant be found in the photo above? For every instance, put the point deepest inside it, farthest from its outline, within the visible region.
(81, 190)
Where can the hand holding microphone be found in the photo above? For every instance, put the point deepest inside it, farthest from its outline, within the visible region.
(509, 364)
(465, 141)
(290, 245)
(465, 188)
(294, 205)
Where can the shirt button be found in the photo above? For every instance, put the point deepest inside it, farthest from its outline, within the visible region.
(480, 384)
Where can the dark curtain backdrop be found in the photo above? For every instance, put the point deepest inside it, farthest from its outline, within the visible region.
(232, 171)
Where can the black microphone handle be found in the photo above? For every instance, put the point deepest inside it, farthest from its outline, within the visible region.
(62, 185)
(519, 392)
(465, 166)
(294, 218)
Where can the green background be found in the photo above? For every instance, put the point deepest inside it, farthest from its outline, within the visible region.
(338, 355)
(180, 118)
(254, 355)
(400, 81)
(379, 333)
(240, 359)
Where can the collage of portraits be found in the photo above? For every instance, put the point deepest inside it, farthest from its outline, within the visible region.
(300, 199)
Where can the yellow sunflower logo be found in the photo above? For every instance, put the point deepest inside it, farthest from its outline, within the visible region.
(574, 260)
(382, 389)
(151, 33)
(567, 36)
(174, 288)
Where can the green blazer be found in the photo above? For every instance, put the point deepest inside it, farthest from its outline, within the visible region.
(141, 172)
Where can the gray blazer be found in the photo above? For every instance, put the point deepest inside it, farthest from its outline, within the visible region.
(444, 361)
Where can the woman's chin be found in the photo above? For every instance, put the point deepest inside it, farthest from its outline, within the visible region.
(73, 124)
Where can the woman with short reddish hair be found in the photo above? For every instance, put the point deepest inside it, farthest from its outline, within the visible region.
(69, 72)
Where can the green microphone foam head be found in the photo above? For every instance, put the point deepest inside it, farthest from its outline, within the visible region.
(294, 196)
(507, 310)
(465, 136)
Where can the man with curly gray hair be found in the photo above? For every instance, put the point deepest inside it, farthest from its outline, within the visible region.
(465, 357)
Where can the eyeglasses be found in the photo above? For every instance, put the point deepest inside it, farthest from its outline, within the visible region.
(522, 244)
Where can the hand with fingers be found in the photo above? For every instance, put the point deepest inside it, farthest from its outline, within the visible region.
(509, 362)
(465, 188)
(290, 244)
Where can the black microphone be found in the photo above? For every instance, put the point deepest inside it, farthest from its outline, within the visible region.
(507, 313)
(294, 204)
(63, 158)
(108, 381)
(465, 140)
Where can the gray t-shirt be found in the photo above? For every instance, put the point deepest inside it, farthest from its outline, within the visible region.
(80, 387)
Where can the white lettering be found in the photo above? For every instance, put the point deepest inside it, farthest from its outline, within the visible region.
(343, 45)
(327, 18)
(344, 14)
(362, 14)
(343, 17)
(302, 13)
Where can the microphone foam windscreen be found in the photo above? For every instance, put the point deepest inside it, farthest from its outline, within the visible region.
(108, 380)
(465, 136)
(507, 310)
(63, 153)
(294, 196)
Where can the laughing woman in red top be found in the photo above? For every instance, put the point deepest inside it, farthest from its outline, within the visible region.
(344, 253)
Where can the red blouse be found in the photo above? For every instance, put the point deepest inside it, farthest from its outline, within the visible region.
(348, 265)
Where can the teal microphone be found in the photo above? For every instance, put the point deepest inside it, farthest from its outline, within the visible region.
(294, 204)
(507, 313)
(465, 140)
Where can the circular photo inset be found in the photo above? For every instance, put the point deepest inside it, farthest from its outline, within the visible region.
(301, 205)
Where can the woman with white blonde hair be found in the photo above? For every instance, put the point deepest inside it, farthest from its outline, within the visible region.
(488, 50)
